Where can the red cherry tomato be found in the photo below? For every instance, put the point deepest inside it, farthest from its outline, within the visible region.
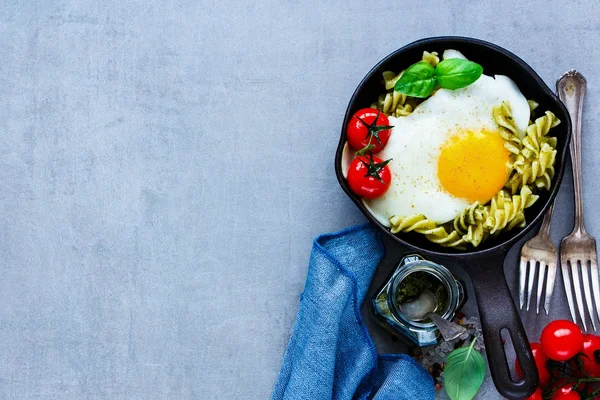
(561, 340)
(540, 361)
(537, 395)
(369, 177)
(566, 392)
(591, 344)
(368, 127)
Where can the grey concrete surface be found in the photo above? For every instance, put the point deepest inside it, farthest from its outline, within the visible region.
(164, 167)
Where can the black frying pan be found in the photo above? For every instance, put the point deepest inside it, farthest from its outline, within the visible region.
(485, 264)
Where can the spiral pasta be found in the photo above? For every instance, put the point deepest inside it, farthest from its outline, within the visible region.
(452, 239)
(537, 170)
(476, 234)
(475, 224)
(473, 215)
(389, 103)
(420, 224)
(532, 105)
(390, 78)
(417, 222)
(545, 181)
(431, 58)
(508, 130)
(535, 137)
(507, 211)
(533, 162)
(393, 103)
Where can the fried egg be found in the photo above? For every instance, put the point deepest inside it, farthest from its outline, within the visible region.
(448, 153)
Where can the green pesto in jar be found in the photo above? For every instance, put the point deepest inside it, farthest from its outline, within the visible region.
(417, 282)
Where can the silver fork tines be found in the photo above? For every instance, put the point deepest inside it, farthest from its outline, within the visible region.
(538, 250)
(579, 263)
(578, 255)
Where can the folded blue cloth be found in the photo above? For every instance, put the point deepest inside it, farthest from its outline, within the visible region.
(330, 354)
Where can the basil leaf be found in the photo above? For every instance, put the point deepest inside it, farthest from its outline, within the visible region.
(417, 81)
(464, 373)
(456, 73)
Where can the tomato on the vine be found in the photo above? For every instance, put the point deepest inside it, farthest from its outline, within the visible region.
(368, 130)
(591, 351)
(369, 177)
(566, 391)
(561, 340)
(540, 361)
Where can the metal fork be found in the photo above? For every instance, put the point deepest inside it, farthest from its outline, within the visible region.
(538, 249)
(578, 250)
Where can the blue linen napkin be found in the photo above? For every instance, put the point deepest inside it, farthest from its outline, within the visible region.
(330, 354)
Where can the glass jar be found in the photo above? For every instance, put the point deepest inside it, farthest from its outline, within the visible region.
(387, 313)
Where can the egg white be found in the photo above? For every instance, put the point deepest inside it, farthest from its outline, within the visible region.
(416, 141)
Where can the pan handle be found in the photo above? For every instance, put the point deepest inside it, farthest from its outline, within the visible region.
(497, 311)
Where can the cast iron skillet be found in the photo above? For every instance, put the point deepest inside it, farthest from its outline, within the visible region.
(485, 263)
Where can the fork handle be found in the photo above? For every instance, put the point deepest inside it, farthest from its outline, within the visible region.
(571, 90)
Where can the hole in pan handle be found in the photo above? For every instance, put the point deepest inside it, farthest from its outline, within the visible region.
(497, 311)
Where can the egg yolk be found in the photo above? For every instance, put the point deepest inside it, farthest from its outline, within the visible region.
(473, 165)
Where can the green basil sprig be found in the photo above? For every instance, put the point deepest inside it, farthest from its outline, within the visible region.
(464, 373)
(417, 81)
(456, 73)
(420, 79)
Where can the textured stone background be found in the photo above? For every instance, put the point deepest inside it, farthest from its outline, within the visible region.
(164, 167)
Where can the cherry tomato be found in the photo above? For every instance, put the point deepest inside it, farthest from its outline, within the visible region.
(368, 127)
(566, 392)
(540, 361)
(369, 177)
(561, 340)
(537, 395)
(591, 344)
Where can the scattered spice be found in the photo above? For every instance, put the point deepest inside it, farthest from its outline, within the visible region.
(433, 358)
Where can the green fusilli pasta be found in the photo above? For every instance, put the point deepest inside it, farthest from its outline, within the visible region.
(452, 239)
(475, 224)
(533, 164)
(417, 223)
(431, 58)
(420, 224)
(473, 215)
(506, 211)
(508, 130)
(475, 234)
